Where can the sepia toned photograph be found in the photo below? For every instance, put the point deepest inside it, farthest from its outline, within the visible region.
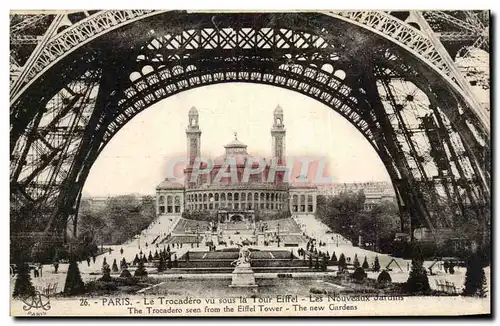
(189, 163)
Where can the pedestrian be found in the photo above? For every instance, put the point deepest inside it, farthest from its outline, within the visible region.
(40, 267)
(110, 251)
(121, 251)
(88, 261)
(56, 267)
(93, 259)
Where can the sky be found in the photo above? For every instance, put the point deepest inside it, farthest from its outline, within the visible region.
(136, 159)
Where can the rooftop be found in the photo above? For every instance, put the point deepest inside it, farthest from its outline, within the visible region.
(170, 184)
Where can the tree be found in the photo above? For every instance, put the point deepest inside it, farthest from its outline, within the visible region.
(342, 262)
(74, 284)
(119, 220)
(123, 264)
(340, 212)
(316, 264)
(334, 259)
(365, 264)
(136, 260)
(150, 257)
(162, 266)
(125, 273)
(156, 256)
(381, 222)
(345, 214)
(417, 281)
(106, 273)
(291, 255)
(310, 262)
(23, 286)
(384, 278)
(359, 274)
(324, 263)
(114, 267)
(356, 261)
(141, 270)
(475, 279)
(376, 264)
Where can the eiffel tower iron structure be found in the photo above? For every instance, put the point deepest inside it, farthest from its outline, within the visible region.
(78, 77)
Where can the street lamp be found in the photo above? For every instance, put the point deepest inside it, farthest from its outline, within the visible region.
(197, 234)
(278, 235)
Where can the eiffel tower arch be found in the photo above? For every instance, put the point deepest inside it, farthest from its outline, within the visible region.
(390, 76)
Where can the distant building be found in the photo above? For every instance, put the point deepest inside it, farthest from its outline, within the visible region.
(96, 202)
(375, 192)
(99, 202)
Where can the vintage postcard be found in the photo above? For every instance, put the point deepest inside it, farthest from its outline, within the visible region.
(223, 163)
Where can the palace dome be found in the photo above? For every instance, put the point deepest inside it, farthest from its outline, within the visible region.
(169, 184)
(235, 144)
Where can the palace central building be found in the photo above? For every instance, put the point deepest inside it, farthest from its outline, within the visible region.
(230, 191)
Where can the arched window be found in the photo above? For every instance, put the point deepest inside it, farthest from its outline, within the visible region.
(170, 206)
(243, 196)
(216, 196)
(249, 197)
(161, 200)
(204, 197)
(229, 196)
(310, 206)
(295, 203)
(223, 197)
(236, 196)
(256, 197)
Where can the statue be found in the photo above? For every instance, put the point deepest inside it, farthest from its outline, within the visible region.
(243, 276)
(244, 257)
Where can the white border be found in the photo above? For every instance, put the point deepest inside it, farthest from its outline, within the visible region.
(200, 4)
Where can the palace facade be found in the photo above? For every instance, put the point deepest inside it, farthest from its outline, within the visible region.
(235, 185)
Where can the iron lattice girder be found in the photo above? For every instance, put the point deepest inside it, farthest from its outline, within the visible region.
(24, 39)
(308, 80)
(27, 22)
(458, 23)
(381, 23)
(218, 35)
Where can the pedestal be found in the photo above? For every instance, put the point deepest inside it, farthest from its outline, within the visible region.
(243, 276)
